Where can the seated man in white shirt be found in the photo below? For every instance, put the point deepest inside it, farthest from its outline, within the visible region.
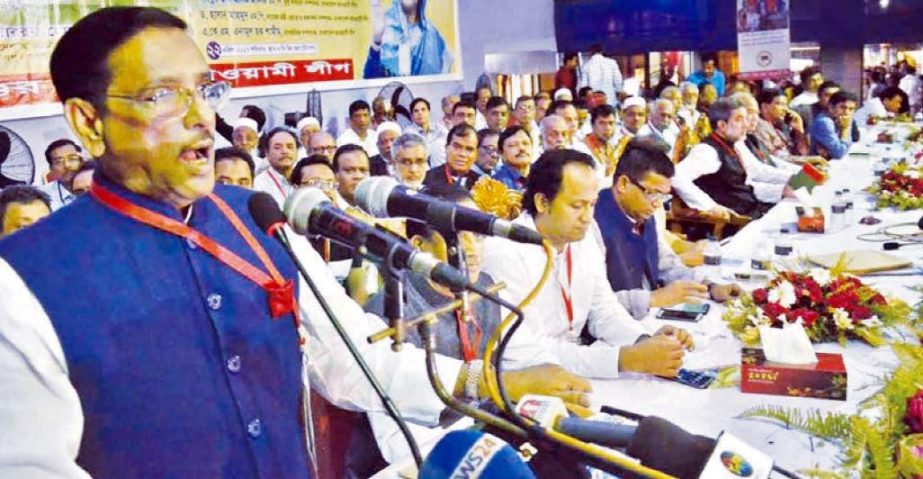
(321, 143)
(662, 123)
(306, 127)
(634, 116)
(64, 159)
(360, 131)
(410, 164)
(689, 112)
(568, 112)
(576, 300)
(714, 177)
(554, 133)
(280, 145)
(887, 104)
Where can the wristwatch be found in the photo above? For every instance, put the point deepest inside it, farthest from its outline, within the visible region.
(473, 378)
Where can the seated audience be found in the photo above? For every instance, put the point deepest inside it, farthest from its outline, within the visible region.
(515, 147)
(351, 166)
(662, 123)
(482, 95)
(555, 133)
(780, 128)
(410, 160)
(834, 130)
(448, 103)
(713, 178)
(890, 102)
(689, 112)
(461, 152)
(246, 136)
(488, 152)
(227, 130)
(64, 159)
(21, 206)
(234, 166)
(524, 116)
(559, 203)
(463, 112)
(434, 133)
(598, 143)
(542, 103)
(382, 164)
(360, 131)
(316, 172)
(382, 111)
(641, 271)
(567, 111)
(280, 145)
(306, 127)
(498, 113)
(321, 143)
(634, 116)
(83, 179)
(811, 80)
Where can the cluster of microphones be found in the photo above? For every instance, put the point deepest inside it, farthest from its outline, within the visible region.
(651, 441)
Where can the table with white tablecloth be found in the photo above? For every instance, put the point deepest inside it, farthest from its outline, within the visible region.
(711, 411)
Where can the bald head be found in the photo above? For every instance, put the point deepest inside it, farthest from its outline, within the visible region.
(322, 143)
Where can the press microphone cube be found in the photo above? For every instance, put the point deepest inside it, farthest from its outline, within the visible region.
(733, 459)
(473, 454)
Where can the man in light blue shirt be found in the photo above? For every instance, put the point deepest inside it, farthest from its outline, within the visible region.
(709, 73)
(834, 130)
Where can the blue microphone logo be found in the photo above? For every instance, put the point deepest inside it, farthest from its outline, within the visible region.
(736, 464)
(475, 461)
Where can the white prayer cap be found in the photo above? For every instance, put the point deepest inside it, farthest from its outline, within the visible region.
(247, 122)
(633, 101)
(389, 126)
(563, 94)
(307, 121)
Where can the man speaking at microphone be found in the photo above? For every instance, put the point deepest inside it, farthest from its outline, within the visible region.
(180, 355)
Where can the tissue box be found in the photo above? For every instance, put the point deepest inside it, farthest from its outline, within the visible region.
(825, 379)
(810, 224)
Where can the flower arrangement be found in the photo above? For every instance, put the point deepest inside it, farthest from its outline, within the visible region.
(831, 305)
(884, 439)
(901, 187)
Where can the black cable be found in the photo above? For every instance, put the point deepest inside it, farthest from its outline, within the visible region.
(785, 473)
(386, 401)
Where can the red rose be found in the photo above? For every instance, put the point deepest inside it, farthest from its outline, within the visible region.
(760, 296)
(878, 300)
(774, 310)
(845, 300)
(807, 316)
(914, 416)
(858, 313)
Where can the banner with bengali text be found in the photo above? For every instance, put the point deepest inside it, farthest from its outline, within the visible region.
(764, 39)
(261, 47)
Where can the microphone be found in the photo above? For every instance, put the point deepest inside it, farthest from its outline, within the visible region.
(656, 442)
(266, 214)
(383, 196)
(473, 454)
(310, 211)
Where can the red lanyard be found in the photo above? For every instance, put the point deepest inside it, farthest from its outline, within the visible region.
(448, 176)
(272, 176)
(281, 293)
(565, 293)
(469, 350)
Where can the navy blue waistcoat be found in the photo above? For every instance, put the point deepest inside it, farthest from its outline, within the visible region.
(180, 370)
(629, 256)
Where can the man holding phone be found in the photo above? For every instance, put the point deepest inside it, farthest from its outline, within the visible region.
(641, 268)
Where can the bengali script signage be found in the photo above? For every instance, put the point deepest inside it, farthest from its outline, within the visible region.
(286, 45)
(763, 38)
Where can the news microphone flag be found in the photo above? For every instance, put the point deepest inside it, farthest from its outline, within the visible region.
(473, 455)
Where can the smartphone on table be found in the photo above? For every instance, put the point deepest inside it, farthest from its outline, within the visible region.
(684, 312)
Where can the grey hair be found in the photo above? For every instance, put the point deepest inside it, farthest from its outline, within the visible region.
(688, 85)
(407, 140)
(663, 93)
(547, 121)
(658, 102)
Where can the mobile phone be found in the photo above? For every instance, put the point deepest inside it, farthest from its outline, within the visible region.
(697, 379)
(685, 312)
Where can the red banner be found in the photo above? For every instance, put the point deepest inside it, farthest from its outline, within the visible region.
(29, 89)
(283, 73)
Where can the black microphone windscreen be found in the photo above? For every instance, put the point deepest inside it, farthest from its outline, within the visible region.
(264, 210)
(664, 446)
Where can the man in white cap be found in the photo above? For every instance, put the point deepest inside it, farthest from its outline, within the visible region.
(382, 164)
(306, 127)
(563, 94)
(634, 116)
(246, 136)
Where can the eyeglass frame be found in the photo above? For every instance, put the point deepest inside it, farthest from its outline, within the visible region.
(323, 185)
(184, 94)
(655, 197)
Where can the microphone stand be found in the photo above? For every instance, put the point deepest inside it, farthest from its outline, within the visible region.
(386, 401)
(394, 301)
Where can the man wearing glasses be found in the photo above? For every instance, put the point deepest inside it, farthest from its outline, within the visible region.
(64, 159)
(322, 143)
(488, 152)
(410, 163)
(641, 268)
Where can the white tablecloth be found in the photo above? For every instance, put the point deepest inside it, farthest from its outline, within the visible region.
(710, 411)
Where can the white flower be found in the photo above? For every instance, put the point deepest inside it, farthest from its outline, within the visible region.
(912, 174)
(784, 294)
(841, 319)
(757, 318)
(872, 322)
(820, 275)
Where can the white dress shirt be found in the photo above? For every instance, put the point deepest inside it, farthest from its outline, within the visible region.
(369, 144)
(594, 303)
(873, 107)
(59, 195)
(40, 412)
(913, 87)
(767, 181)
(272, 182)
(804, 98)
(669, 135)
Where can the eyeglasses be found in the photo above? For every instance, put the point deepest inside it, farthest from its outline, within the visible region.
(655, 197)
(174, 101)
(324, 148)
(402, 162)
(322, 184)
(490, 151)
(68, 159)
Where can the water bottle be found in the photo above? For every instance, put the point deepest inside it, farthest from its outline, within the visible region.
(783, 247)
(712, 254)
(850, 201)
(761, 260)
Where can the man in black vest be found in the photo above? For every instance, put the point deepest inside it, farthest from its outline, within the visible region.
(461, 152)
(713, 177)
(642, 270)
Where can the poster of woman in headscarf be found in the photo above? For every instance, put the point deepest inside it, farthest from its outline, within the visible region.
(405, 42)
